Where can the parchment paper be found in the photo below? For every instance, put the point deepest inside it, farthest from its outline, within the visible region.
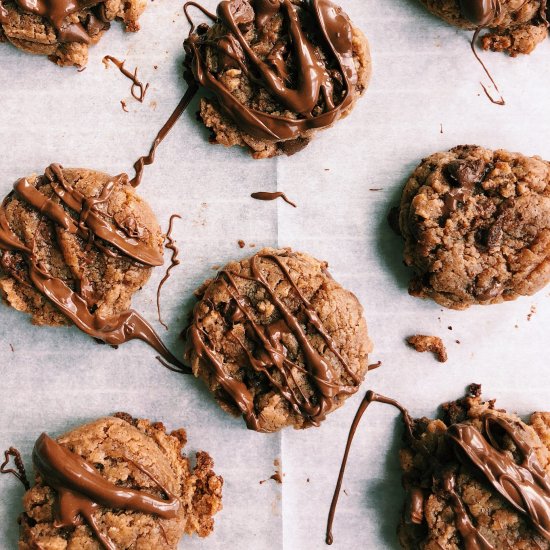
(424, 97)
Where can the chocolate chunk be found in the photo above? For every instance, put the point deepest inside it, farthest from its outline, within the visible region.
(294, 146)
(465, 173)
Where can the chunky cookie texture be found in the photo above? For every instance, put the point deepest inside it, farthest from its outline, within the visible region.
(131, 454)
(69, 247)
(279, 70)
(63, 30)
(476, 225)
(513, 26)
(452, 504)
(277, 340)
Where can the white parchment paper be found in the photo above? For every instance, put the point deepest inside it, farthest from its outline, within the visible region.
(424, 97)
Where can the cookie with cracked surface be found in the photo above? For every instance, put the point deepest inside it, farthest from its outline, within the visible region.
(478, 477)
(118, 482)
(277, 340)
(513, 26)
(476, 225)
(85, 230)
(64, 30)
(279, 71)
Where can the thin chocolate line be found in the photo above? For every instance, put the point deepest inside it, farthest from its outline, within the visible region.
(147, 160)
(473, 48)
(267, 196)
(20, 473)
(136, 83)
(171, 245)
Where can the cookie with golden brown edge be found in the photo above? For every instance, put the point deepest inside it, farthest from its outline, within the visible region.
(75, 245)
(478, 477)
(277, 72)
(476, 225)
(278, 340)
(513, 26)
(64, 29)
(118, 482)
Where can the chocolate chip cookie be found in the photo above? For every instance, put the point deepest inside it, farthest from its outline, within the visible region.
(277, 340)
(118, 482)
(513, 26)
(64, 29)
(479, 477)
(476, 225)
(277, 71)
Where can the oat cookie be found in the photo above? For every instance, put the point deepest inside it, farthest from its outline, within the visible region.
(277, 340)
(513, 26)
(118, 482)
(279, 71)
(479, 477)
(476, 225)
(64, 29)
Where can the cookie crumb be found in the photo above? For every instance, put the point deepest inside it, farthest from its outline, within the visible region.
(11, 347)
(375, 189)
(374, 366)
(440, 128)
(450, 327)
(532, 311)
(422, 343)
(241, 243)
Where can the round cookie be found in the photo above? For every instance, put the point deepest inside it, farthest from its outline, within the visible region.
(110, 456)
(278, 70)
(277, 340)
(476, 225)
(513, 26)
(63, 30)
(102, 246)
(456, 500)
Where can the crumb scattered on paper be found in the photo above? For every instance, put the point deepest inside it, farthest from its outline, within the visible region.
(434, 344)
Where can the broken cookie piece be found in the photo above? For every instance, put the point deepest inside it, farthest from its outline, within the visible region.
(64, 29)
(422, 343)
(277, 71)
(118, 482)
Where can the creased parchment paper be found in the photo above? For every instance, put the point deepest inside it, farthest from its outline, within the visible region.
(424, 97)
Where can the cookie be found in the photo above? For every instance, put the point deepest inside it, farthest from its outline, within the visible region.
(118, 482)
(277, 340)
(63, 30)
(277, 72)
(513, 26)
(476, 225)
(75, 245)
(479, 477)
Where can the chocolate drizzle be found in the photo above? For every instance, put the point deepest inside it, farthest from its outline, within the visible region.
(369, 398)
(526, 486)
(98, 230)
(267, 196)
(19, 472)
(81, 490)
(523, 483)
(138, 89)
(147, 160)
(56, 12)
(313, 96)
(174, 261)
(271, 358)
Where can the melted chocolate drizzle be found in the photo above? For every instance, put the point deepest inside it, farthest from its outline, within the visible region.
(81, 490)
(56, 13)
(272, 355)
(94, 227)
(147, 160)
(526, 486)
(19, 472)
(138, 89)
(267, 196)
(174, 261)
(314, 85)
